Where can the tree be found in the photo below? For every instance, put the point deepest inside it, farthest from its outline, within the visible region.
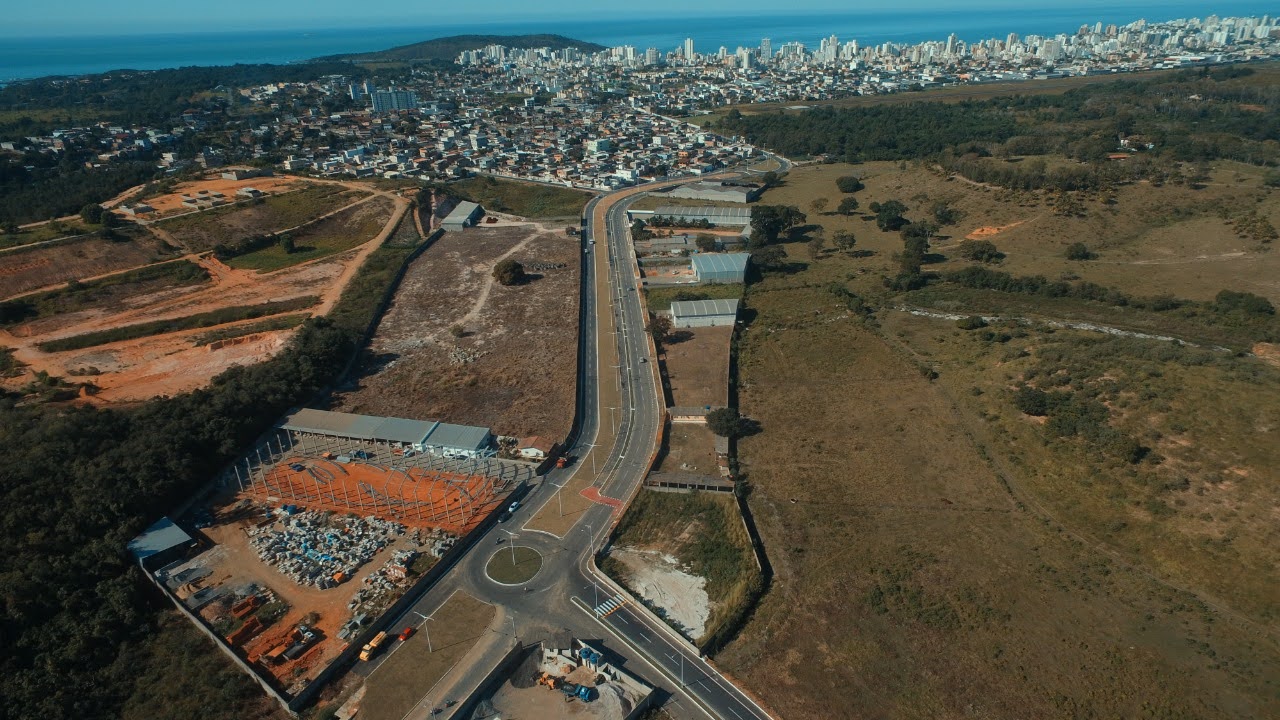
(771, 179)
(91, 213)
(110, 219)
(705, 242)
(509, 272)
(816, 246)
(725, 422)
(847, 206)
(980, 251)
(769, 222)
(11, 228)
(1079, 251)
(660, 328)
(849, 184)
(286, 244)
(944, 214)
(844, 240)
(819, 205)
(889, 215)
(770, 257)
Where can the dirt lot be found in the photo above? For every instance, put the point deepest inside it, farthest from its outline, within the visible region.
(175, 362)
(171, 203)
(512, 367)
(690, 450)
(659, 579)
(697, 365)
(28, 269)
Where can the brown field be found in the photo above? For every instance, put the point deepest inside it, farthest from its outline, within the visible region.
(697, 365)
(936, 554)
(690, 450)
(170, 363)
(512, 368)
(30, 269)
(171, 203)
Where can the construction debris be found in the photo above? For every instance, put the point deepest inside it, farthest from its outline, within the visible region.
(315, 548)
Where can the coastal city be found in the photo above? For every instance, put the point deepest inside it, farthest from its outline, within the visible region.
(398, 362)
(610, 119)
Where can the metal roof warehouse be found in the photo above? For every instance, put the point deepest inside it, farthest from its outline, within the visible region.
(715, 215)
(423, 435)
(704, 313)
(720, 267)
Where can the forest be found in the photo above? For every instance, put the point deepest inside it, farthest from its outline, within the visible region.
(1194, 116)
(83, 631)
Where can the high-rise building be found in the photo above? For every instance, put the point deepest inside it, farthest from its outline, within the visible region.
(651, 56)
(766, 50)
(688, 49)
(389, 100)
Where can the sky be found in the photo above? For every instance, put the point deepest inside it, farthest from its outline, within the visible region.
(95, 17)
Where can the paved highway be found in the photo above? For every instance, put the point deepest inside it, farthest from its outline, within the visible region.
(567, 588)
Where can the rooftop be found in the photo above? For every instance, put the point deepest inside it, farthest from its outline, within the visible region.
(702, 308)
(720, 262)
(161, 536)
(462, 213)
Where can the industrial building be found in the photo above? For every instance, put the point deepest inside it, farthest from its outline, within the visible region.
(463, 216)
(720, 267)
(704, 313)
(723, 191)
(160, 544)
(428, 436)
(733, 216)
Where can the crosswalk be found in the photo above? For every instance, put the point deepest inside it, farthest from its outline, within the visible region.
(610, 606)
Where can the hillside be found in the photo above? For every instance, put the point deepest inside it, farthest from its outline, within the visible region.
(447, 48)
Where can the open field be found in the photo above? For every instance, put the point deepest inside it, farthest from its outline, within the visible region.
(705, 534)
(46, 231)
(938, 553)
(697, 365)
(690, 450)
(531, 200)
(26, 269)
(952, 94)
(170, 203)
(399, 682)
(508, 365)
(200, 231)
(328, 236)
(118, 288)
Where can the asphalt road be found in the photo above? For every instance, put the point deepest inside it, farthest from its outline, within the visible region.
(567, 588)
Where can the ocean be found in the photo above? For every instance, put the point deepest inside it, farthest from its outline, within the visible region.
(27, 57)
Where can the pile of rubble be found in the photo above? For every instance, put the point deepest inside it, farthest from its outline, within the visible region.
(315, 548)
(459, 356)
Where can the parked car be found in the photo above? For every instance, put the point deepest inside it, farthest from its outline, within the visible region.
(297, 467)
(514, 506)
(361, 455)
(406, 633)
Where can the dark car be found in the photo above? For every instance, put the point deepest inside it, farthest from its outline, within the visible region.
(297, 467)
(361, 455)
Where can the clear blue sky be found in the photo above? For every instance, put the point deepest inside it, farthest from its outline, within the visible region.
(76, 17)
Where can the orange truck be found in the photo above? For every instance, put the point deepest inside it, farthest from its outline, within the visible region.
(371, 648)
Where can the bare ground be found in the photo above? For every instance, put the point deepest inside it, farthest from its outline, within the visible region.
(513, 368)
(697, 365)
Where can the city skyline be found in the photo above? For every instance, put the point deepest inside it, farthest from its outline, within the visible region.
(82, 17)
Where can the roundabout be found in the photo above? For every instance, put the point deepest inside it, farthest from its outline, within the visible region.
(513, 565)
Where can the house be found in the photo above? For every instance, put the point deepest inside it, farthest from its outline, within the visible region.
(535, 448)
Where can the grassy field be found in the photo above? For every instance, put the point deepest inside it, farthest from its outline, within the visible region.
(937, 553)
(330, 236)
(531, 200)
(202, 230)
(97, 293)
(952, 94)
(47, 231)
(704, 531)
(190, 322)
(660, 299)
(400, 682)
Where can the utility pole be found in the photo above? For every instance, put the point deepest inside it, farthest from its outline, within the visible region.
(511, 542)
(559, 502)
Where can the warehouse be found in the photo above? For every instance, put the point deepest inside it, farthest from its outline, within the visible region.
(723, 191)
(732, 216)
(703, 313)
(720, 267)
(427, 436)
(463, 216)
(160, 544)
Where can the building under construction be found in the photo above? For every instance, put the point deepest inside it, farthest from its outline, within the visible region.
(422, 474)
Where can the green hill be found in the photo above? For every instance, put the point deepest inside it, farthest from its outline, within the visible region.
(447, 48)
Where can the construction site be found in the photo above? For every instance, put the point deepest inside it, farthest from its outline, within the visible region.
(324, 524)
(566, 679)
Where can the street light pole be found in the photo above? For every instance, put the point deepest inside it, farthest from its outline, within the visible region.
(512, 542)
(613, 420)
(559, 502)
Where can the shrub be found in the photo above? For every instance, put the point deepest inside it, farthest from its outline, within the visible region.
(509, 272)
(1079, 251)
(980, 251)
(849, 184)
(973, 322)
(725, 422)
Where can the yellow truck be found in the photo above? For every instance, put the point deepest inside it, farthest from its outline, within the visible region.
(371, 648)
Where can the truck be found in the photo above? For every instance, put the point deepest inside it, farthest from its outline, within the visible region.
(371, 648)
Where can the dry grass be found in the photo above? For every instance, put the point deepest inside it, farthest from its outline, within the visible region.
(512, 369)
(935, 557)
(402, 679)
(201, 231)
(331, 235)
(697, 366)
(27, 269)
